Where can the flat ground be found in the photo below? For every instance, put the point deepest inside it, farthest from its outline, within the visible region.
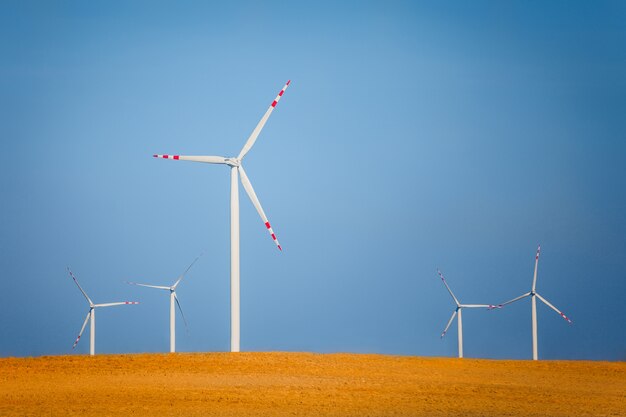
(282, 384)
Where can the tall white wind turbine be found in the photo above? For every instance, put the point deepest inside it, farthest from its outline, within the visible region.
(173, 300)
(533, 294)
(236, 170)
(459, 312)
(92, 315)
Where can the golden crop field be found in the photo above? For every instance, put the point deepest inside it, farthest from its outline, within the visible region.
(307, 384)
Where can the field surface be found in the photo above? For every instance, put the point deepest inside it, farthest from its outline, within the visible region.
(305, 384)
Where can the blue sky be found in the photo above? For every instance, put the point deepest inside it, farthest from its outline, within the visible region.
(414, 135)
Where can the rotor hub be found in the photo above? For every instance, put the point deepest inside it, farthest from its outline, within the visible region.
(233, 162)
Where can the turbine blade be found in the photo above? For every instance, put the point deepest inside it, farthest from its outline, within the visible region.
(536, 264)
(120, 303)
(248, 187)
(82, 329)
(79, 287)
(185, 273)
(476, 305)
(181, 312)
(205, 159)
(512, 301)
(449, 290)
(160, 287)
(255, 133)
(449, 323)
(546, 302)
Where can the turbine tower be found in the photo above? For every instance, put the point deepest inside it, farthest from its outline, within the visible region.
(92, 316)
(236, 171)
(459, 311)
(533, 294)
(173, 300)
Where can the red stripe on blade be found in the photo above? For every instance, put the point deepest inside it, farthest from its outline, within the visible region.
(176, 157)
(274, 103)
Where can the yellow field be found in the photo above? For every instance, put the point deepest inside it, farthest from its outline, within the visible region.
(285, 384)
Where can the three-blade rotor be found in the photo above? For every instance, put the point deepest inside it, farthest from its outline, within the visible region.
(93, 306)
(533, 292)
(172, 288)
(237, 163)
(459, 306)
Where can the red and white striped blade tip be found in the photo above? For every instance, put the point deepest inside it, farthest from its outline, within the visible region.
(131, 302)
(76, 342)
(269, 229)
(493, 307)
(566, 318)
(165, 156)
(280, 94)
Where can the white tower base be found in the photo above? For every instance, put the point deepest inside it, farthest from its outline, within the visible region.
(92, 333)
(460, 321)
(534, 317)
(234, 260)
(172, 323)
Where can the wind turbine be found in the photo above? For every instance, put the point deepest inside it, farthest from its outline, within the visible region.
(92, 315)
(533, 294)
(458, 311)
(236, 170)
(173, 300)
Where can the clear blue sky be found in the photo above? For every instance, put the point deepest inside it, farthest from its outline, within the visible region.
(413, 136)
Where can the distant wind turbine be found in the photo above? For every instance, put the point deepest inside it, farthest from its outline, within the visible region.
(92, 315)
(533, 294)
(173, 300)
(236, 170)
(458, 311)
